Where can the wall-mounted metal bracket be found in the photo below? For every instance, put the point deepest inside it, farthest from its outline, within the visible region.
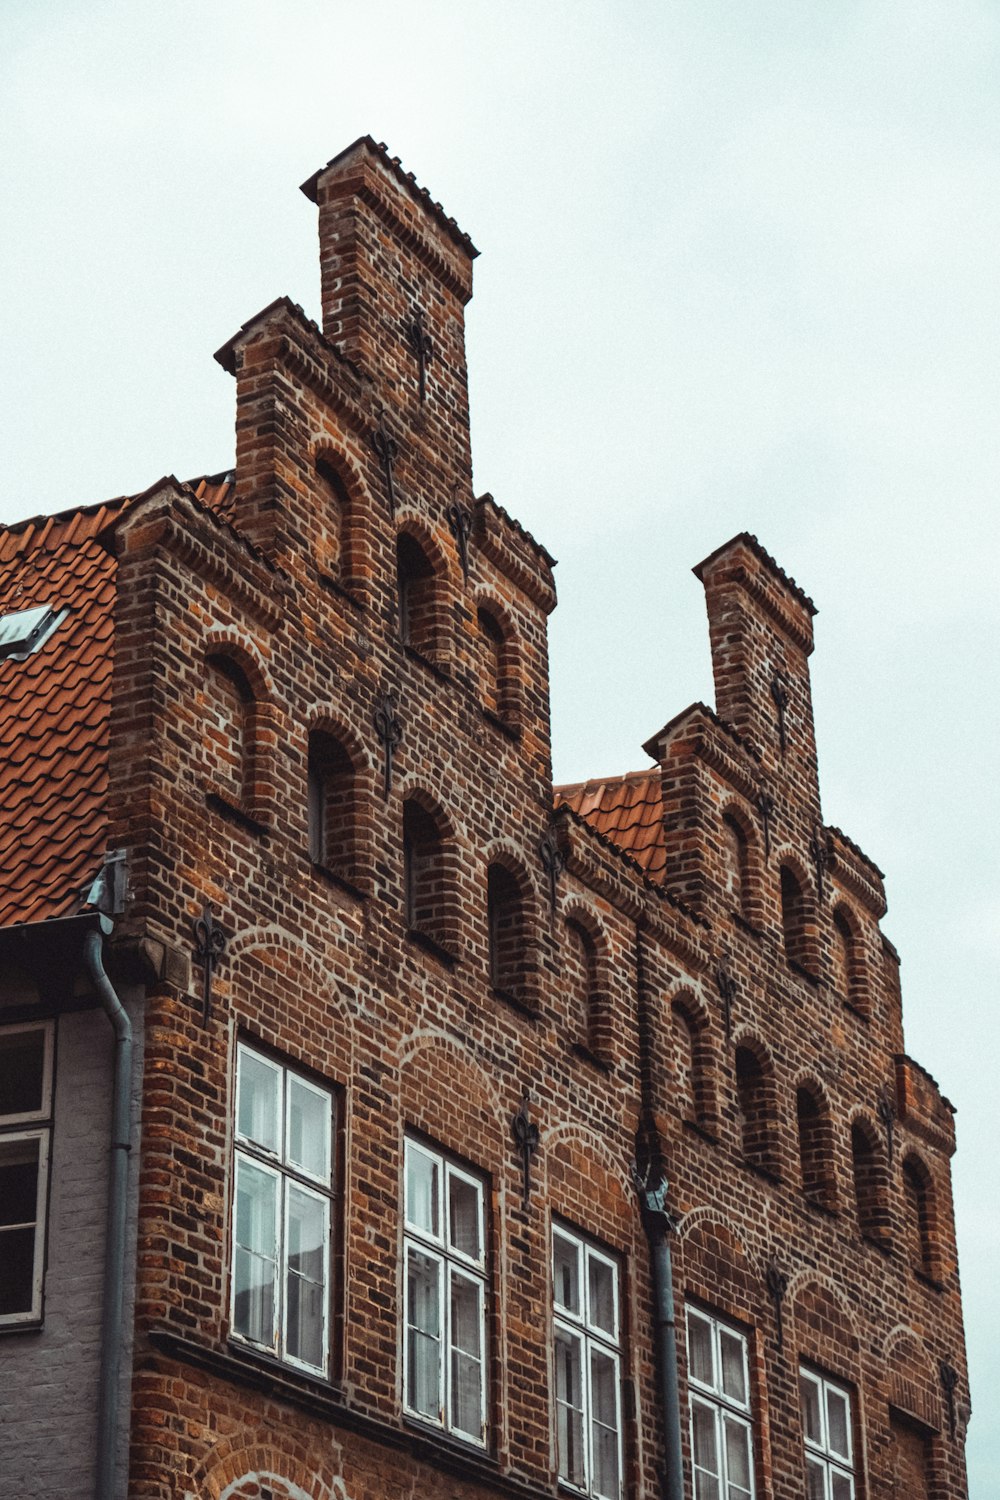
(390, 732)
(460, 523)
(387, 451)
(886, 1112)
(553, 863)
(526, 1135)
(728, 990)
(765, 806)
(210, 948)
(423, 348)
(777, 1287)
(820, 857)
(949, 1384)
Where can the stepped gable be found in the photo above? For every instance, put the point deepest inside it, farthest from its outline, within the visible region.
(627, 811)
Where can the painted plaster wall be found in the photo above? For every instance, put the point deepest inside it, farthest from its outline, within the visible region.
(48, 1391)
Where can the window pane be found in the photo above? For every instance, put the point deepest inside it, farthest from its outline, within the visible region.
(706, 1486)
(838, 1423)
(733, 1368)
(257, 1100)
(812, 1421)
(463, 1216)
(17, 1268)
(305, 1248)
(255, 1271)
(422, 1190)
(601, 1295)
(843, 1486)
(815, 1480)
(466, 1355)
(700, 1359)
(423, 1334)
(737, 1439)
(18, 1181)
(22, 1071)
(307, 1143)
(604, 1423)
(704, 1438)
(566, 1272)
(569, 1406)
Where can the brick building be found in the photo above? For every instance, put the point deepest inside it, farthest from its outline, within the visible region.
(468, 1137)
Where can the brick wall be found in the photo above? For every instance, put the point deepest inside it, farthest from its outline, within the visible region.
(333, 973)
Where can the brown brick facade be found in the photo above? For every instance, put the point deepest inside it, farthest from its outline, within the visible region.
(459, 946)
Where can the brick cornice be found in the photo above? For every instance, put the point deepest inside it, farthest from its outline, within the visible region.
(518, 556)
(168, 519)
(855, 874)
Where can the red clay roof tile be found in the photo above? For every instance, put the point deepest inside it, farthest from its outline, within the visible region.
(627, 810)
(55, 706)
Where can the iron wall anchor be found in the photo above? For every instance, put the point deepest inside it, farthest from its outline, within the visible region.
(210, 948)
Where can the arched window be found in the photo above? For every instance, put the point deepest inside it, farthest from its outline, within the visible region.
(426, 882)
(508, 933)
(694, 1071)
(868, 1172)
(419, 592)
(815, 1146)
(229, 731)
(582, 988)
(333, 807)
(848, 962)
(333, 524)
(497, 666)
(736, 868)
(757, 1110)
(920, 1222)
(796, 920)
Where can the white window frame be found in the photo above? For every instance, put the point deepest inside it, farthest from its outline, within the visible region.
(277, 1163)
(821, 1452)
(724, 1406)
(454, 1264)
(39, 1128)
(581, 1324)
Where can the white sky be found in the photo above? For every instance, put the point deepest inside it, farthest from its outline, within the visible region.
(738, 272)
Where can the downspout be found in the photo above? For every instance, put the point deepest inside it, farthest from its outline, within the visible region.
(659, 1225)
(651, 1185)
(112, 1316)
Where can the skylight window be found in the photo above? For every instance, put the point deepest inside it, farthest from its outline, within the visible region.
(24, 630)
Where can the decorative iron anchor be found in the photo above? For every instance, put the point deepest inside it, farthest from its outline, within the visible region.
(526, 1135)
(210, 948)
(728, 989)
(552, 862)
(949, 1382)
(777, 1286)
(765, 806)
(820, 856)
(423, 348)
(460, 522)
(390, 733)
(387, 451)
(781, 696)
(887, 1114)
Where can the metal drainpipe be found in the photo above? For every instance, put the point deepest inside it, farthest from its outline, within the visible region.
(114, 1261)
(659, 1225)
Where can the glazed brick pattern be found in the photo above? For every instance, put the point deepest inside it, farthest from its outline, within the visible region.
(299, 592)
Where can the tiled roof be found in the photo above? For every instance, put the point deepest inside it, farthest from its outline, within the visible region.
(54, 712)
(55, 706)
(627, 811)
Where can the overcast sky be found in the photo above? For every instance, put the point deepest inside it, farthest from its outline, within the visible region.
(739, 271)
